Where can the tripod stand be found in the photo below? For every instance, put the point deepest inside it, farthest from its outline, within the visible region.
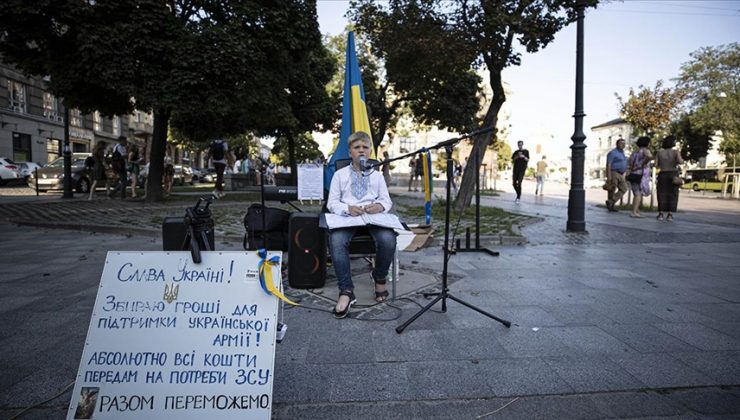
(445, 294)
(198, 226)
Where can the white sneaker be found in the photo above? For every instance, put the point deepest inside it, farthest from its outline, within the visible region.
(516, 201)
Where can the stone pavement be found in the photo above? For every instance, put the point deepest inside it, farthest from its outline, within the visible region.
(636, 319)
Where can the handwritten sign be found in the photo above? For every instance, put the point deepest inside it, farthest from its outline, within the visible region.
(310, 182)
(170, 339)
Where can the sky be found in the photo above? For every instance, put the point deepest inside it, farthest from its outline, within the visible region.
(627, 44)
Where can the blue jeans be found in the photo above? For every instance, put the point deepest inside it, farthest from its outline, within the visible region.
(385, 247)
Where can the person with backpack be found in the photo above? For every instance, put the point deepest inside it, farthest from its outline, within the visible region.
(217, 152)
(118, 162)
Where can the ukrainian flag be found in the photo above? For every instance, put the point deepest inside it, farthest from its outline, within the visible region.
(354, 111)
(427, 166)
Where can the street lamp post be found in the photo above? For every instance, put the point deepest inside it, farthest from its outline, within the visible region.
(67, 153)
(577, 195)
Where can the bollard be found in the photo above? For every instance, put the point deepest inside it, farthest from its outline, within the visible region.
(467, 238)
(36, 180)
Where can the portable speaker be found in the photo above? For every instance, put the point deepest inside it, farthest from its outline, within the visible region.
(173, 234)
(306, 252)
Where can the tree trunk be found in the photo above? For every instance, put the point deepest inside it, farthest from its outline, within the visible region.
(154, 190)
(480, 144)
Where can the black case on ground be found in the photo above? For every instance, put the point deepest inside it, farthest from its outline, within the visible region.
(276, 228)
(306, 252)
(173, 234)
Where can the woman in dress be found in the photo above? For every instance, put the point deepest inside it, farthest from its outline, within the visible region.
(668, 160)
(639, 174)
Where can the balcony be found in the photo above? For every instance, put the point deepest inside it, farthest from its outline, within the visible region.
(140, 128)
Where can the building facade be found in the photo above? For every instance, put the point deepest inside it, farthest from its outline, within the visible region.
(32, 122)
(603, 139)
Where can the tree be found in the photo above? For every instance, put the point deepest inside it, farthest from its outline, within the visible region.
(695, 141)
(419, 39)
(712, 83)
(217, 67)
(650, 110)
(421, 71)
(306, 148)
(384, 109)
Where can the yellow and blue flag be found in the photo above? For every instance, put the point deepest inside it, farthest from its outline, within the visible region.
(354, 111)
(427, 165)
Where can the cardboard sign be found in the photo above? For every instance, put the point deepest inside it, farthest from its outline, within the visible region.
(170, 339)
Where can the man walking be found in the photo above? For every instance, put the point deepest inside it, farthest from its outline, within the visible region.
(616, 165)
(218, 150)
(520, 159)
(540, 175)
(118, 162)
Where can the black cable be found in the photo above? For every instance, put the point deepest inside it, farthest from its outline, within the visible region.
(43, 402)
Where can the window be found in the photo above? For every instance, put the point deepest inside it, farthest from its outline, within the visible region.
(53, 149)
(51, 107)
(407, 144)
(21, 147)
(117, 125)
(75, 117)
(97, 121)
(17, 96)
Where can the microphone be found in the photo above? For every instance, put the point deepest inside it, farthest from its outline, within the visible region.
(363, 163)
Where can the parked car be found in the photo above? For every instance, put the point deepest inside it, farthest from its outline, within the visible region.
(8, 170)
(205, 174)
(183, 175)
(51, 176)
(27, 168)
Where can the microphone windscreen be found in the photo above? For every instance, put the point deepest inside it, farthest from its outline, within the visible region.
(363, 163)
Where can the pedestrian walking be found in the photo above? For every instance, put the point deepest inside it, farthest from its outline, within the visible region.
(217, 152)
(639, 174)
(98, 169)
(540, 176)
(412, 173)
(169, 174)
(134, 167)
(616, 166)
(386, 169)
(520, 158)
(120, 167)
(669, 178)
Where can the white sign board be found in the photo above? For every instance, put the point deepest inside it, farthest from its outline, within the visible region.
(170, 339)
(310, 182)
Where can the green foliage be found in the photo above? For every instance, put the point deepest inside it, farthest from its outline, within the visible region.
(431, 48)
(695, 141)
(304, 146)
(711, 82)
(504, 155)
(650, 110)
(218, 68)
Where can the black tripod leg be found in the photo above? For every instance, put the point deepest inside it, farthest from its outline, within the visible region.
(462, 302)
(194, 247)
(403, 326)
(204, 239)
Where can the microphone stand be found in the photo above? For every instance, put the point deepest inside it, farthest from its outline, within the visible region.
(477, 247)
(444, 294)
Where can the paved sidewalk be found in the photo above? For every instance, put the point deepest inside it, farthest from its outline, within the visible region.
(636, 319)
